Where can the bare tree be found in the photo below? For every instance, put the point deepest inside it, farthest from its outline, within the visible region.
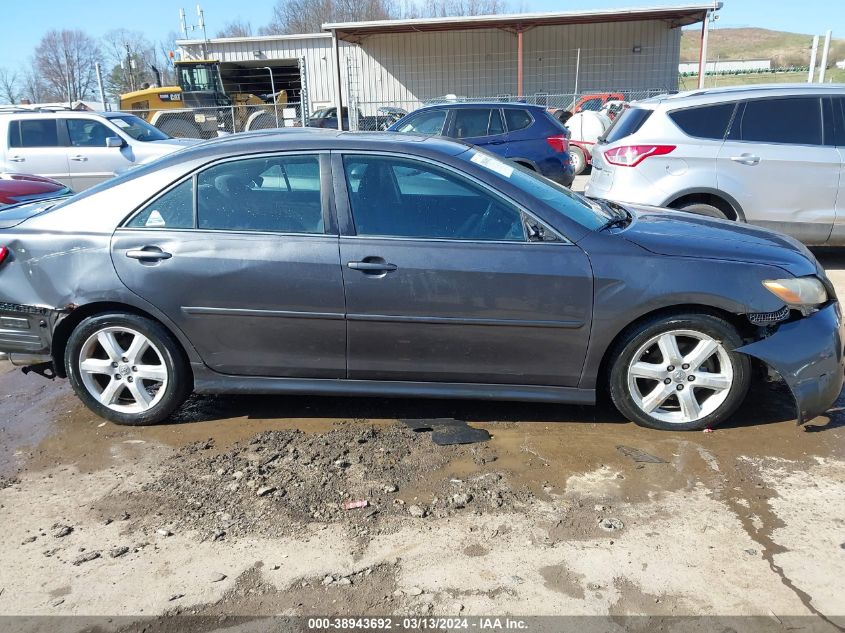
(10, 88)
(129, 56)
(235, 28)
(65, 60)
(308, 16)
(445, 8)
(33, 87)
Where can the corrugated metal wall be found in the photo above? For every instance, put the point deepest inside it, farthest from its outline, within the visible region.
(317, 52)
(406, 69)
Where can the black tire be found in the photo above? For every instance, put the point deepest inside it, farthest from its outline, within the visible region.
(702, 208)
(179, 380)
(632, 342)
(578, 159)
(180, 128)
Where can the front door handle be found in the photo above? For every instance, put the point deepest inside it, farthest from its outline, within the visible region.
(746, 159)
(16, 159)
(79, 158)
(148, 254)
(372, 265)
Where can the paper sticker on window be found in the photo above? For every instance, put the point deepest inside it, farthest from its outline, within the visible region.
(493, 164)
(120, 123)
(155, 219)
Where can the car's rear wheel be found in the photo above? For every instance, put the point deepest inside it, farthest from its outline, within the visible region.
(702, 208)
(127, 368)
(577, 159)
(680, 372)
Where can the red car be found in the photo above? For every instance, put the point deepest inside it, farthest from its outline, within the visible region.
(16, 188)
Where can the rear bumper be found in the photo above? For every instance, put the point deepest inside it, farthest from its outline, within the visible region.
(808, 355)
(557, 168)
(26, 331)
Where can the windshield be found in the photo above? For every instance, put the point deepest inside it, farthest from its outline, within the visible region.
(138, 129)
(574, 206)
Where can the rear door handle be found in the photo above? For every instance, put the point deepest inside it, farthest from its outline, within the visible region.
(746, 159)
(148, 253)
(16, 159)
(79, 157)
(373, 266)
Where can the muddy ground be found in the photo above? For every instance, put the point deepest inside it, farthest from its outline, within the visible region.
(239, 507)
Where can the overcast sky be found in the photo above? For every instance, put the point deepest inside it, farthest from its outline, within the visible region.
(25, 22)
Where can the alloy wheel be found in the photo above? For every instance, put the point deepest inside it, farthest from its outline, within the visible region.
(680, 376)
(123, 370)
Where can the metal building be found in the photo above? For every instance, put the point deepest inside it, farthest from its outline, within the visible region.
(544, 58)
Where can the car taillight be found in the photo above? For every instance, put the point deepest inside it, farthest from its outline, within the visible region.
(4, 254)
(633, 155)
(559, 143)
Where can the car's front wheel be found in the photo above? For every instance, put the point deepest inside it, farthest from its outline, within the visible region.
(680, 372)
(127, 368)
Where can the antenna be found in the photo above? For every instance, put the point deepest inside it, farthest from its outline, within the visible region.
(192, 27)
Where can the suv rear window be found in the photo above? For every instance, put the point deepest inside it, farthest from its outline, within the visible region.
(629, 122)
(706, 121)
(33, 133)
(517, 119)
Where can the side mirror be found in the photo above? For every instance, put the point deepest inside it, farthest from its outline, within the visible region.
(114, 141)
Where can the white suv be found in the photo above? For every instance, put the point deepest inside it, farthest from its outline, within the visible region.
(79, 149)
(769, 155)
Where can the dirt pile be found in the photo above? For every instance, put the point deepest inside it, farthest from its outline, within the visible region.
(280, 480)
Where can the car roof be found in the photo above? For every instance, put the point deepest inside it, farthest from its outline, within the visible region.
(308, 139)
(733, 93)
(481, 104)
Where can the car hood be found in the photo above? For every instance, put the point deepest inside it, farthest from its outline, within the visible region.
(681, 234)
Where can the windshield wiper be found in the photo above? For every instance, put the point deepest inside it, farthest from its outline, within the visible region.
(620, 215)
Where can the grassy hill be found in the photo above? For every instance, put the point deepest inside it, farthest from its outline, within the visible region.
(784, 49)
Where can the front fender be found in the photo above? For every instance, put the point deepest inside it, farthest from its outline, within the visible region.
(808, 355)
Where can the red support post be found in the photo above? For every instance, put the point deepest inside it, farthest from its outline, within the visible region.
(519, 86)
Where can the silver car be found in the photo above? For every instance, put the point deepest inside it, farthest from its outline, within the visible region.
(79, 149)
(767, 155)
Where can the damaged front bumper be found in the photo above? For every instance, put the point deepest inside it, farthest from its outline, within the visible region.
(808, 355)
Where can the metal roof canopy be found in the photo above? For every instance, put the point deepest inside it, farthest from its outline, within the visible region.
(674, 16)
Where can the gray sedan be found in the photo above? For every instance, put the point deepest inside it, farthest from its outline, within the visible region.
(381, 264)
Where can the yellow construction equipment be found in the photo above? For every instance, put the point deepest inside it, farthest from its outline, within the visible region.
(199, 106)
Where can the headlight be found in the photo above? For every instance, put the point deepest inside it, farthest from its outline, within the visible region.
(798, 292)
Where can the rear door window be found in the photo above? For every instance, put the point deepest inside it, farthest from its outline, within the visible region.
(279, 194)
(473, 122)
(706, 121)
(791, 120)
(173, 209)
(33, 133)
(626, 124)
(517, 119)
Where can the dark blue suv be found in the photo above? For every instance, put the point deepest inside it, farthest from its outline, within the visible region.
(526, 134)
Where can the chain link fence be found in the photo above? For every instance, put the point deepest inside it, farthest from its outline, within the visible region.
(214, 121)
(372, 115)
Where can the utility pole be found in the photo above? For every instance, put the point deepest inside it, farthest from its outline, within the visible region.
(99, 71)
(825, 51)
(129, 74)
(813, 53)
